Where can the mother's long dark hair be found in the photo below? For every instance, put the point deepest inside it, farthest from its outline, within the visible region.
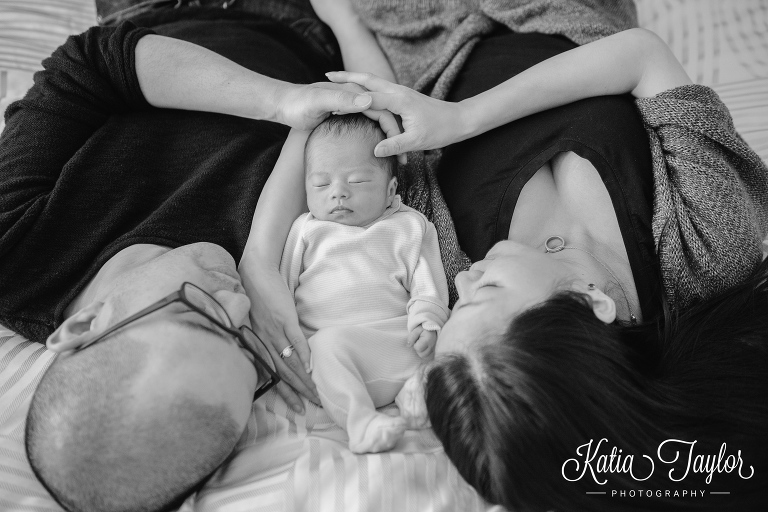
(510, 413)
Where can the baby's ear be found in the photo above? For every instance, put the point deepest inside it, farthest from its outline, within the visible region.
(391, 189)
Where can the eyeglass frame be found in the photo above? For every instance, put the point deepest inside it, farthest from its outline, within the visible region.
(178, 296)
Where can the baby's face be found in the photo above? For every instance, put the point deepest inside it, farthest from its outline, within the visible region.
(345, 183)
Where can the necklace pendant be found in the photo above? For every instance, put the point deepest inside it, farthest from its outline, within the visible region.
(554, 244)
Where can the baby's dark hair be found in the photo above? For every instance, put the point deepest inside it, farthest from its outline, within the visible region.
(511, 413)
(351, 126)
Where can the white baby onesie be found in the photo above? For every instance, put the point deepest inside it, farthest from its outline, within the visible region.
(359, 291)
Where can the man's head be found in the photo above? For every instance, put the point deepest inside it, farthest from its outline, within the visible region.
(137, 420)
(97, 442)
(345, 182)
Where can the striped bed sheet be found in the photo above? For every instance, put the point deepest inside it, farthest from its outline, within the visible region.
(288, 462)
(284, 463)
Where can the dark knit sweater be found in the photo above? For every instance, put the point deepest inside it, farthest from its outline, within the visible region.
(87, 167)
(428, 41)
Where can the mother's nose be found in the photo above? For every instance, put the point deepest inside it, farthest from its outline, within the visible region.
(465, 282)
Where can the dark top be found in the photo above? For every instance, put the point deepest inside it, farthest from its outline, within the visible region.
(88, 167)
(494, 166)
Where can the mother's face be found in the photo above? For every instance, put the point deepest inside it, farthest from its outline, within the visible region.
(512, 278)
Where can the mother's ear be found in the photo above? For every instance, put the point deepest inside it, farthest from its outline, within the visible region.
(603, 306)
(75, 330)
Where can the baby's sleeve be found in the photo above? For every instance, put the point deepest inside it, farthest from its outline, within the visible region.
(428, 305)
(291, 261)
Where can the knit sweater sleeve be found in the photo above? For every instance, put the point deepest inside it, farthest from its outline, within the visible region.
(89, 78)
(428, 305)
(711, 194)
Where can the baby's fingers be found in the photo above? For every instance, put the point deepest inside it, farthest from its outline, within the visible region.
(413, 336)
(425, 345)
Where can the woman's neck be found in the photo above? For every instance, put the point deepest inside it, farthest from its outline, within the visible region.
(566, 197)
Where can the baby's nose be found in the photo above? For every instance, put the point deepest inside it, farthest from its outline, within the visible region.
(339, 192)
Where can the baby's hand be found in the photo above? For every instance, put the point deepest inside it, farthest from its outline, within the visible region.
(423, 342)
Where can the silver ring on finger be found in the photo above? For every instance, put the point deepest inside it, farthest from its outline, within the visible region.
(287, 352)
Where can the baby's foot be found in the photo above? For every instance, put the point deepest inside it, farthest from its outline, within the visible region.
(410, 401)
(382, 434)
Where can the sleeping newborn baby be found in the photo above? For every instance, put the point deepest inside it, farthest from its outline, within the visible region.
(366, 274)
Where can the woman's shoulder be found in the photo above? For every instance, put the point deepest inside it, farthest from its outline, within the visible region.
(711, 194)
(690, 104)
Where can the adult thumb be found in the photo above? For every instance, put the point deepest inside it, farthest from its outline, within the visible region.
(349, 102)
(396, 145)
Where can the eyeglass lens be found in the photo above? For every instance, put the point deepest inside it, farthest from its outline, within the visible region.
(207, 303)
(203, 301)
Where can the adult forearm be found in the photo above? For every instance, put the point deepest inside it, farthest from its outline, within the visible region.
(281, 201)
(359, 49)
(181, 75)
(634, 61)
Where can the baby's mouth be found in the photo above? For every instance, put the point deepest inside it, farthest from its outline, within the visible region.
(340, 208)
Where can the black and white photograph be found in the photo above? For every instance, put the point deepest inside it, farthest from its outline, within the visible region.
(383, 255)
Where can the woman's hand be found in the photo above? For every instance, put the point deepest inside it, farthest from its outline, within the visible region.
(427, 123)
(274, 320)
(303, 107)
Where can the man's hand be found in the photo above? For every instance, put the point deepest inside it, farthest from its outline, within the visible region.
(428, 123)
(423, 342)
(305, 106)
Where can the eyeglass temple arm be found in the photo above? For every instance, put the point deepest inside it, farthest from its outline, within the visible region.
(154, 307)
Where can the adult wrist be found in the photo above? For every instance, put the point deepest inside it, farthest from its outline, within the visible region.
(279, 99)
(469, 122)
(344, 22)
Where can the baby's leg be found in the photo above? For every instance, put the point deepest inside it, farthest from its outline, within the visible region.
(356, 370)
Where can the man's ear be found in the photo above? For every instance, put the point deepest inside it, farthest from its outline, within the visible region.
(391, 190)
(75, 330)
(603, 306)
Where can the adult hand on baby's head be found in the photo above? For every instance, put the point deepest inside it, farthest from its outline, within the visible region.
(305, 106)
(427, 123)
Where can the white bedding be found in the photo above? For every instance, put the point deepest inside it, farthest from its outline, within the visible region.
(285, 463)
(289, 463)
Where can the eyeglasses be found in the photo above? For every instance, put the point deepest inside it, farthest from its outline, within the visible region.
(200, 301)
